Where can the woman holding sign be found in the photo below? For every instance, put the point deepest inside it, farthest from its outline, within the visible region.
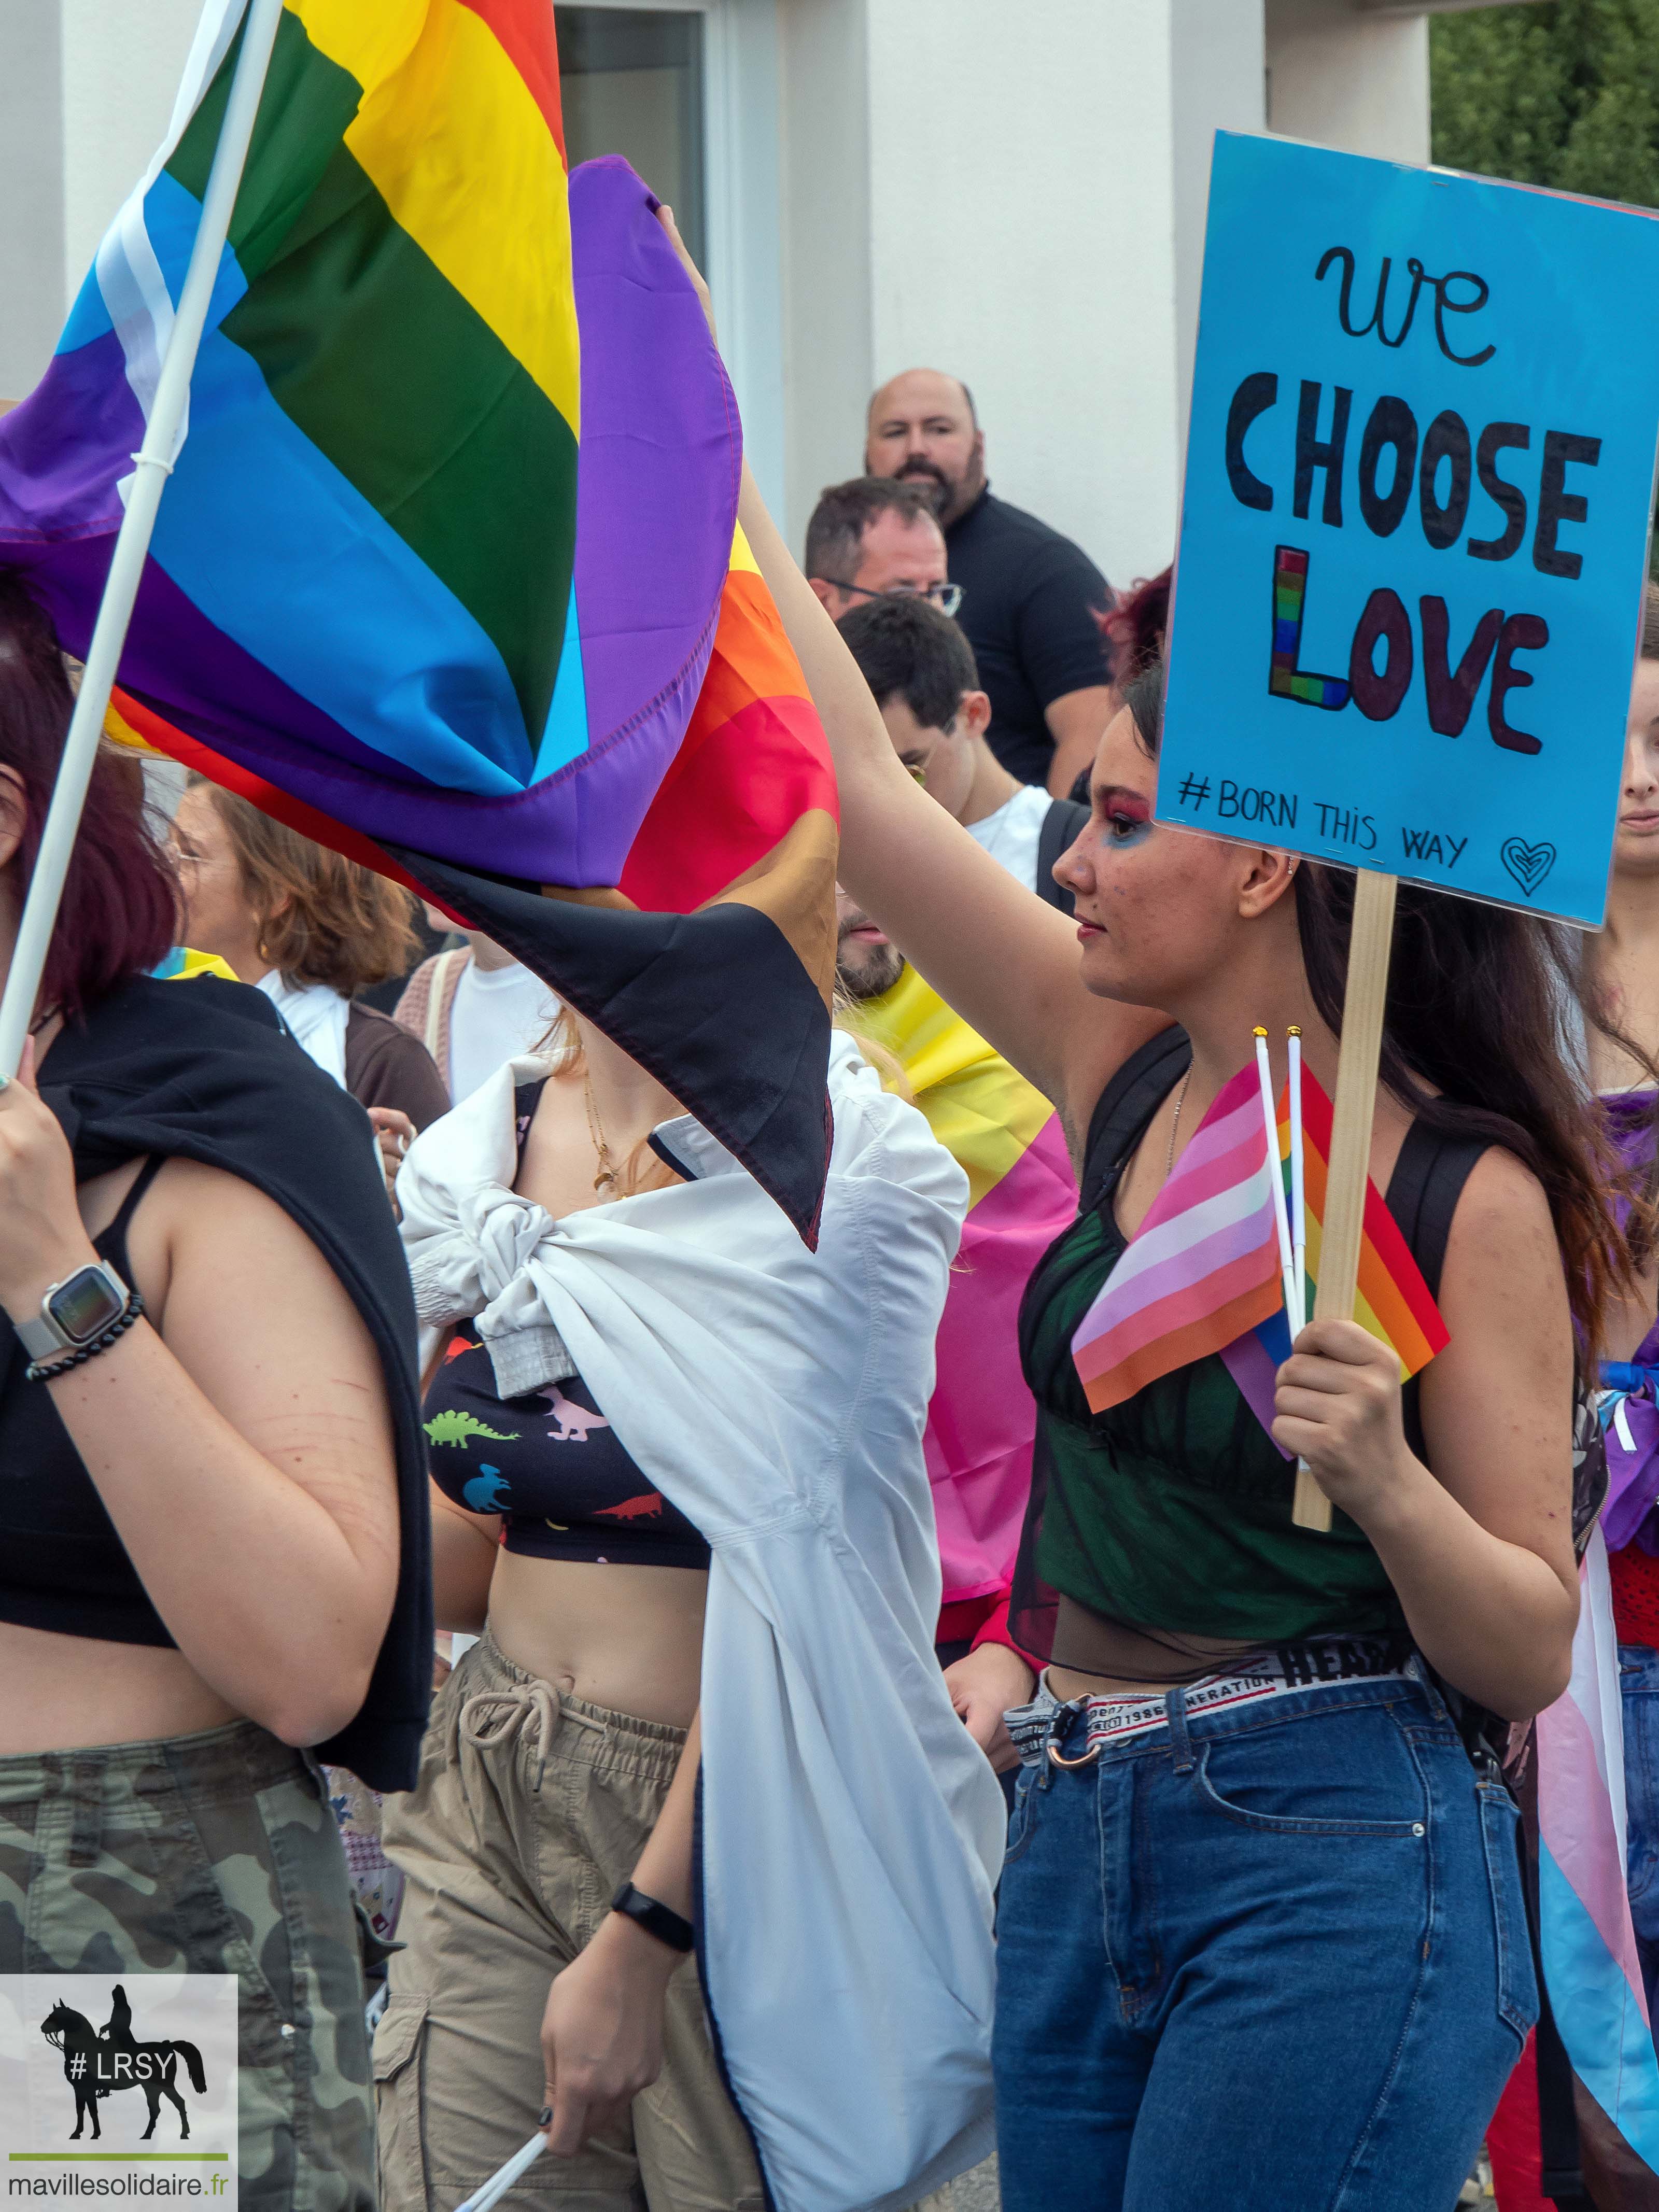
(1261, 1926)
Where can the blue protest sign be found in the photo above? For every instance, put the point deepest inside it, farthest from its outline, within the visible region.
(1414, 535)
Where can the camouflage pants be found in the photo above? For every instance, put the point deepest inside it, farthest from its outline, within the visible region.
(210, 1854)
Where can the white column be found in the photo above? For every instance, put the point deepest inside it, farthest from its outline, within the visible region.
(1357, 81)
(86, 90)
(1030, 217)
(32, 297)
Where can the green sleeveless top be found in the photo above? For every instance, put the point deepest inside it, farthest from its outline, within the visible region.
(1171, 1512)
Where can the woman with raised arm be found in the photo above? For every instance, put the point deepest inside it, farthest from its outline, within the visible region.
(1260, 1930)
(213, 1549)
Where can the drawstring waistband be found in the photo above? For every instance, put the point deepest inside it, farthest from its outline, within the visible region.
(492, 1718)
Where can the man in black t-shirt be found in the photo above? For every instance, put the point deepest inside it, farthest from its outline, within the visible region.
(1029, 594)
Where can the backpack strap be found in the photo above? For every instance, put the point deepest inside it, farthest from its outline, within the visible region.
(1062, 825)
(445, 975)
(1125, 1106)
(1427, 1182)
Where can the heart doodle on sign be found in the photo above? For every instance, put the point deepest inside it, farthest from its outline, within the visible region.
(1527, 863)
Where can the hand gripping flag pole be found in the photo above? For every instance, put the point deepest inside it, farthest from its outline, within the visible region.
(153, 465)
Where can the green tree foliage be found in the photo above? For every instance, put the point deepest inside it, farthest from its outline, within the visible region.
(1563, 93)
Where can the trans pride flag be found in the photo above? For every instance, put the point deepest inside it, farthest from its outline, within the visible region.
(1006, 1137)
(1589, 1945)
(448, 554)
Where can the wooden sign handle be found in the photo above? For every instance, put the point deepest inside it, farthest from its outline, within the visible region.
(1343, 1227)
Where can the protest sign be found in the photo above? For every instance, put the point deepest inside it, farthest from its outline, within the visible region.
(1420, 475)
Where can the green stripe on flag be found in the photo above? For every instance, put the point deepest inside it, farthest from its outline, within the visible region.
(374, 355)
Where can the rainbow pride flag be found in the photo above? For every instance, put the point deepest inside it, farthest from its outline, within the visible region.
(1201, 1270)
(448, 557)
(1591, 1967)
(1391, 1298)
(1006, 1138)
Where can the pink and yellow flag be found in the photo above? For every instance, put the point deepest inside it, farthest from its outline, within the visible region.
(1006, 1137)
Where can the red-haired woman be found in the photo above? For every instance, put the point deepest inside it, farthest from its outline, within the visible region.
(212, 1534)
(1263, 1820)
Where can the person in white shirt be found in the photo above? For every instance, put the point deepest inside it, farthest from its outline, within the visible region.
(473, 1007)
(921, 670)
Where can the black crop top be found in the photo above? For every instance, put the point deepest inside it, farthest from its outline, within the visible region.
(549, 1462)
(64, 1566)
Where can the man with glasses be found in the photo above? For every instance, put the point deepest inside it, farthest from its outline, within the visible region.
(920, 671)
(1030, 596)
(875, 539)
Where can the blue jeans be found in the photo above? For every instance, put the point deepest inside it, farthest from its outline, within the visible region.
(1274, 1960)
(1638, 1680)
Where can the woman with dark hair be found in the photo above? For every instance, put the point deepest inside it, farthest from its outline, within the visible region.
(1261, 1931)
(311, 929)
(212, 1533)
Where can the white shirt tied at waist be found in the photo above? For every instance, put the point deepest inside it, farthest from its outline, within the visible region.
(852, 1831)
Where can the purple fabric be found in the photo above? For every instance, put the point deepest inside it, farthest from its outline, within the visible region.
(660, 459)
(1628, 1513)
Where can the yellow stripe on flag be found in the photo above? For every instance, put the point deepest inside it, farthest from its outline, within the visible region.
(452, 138)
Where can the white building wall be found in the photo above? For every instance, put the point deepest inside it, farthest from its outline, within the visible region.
(31, 192)
(1020, 202)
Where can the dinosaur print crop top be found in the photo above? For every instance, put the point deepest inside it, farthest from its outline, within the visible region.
(549, 1463)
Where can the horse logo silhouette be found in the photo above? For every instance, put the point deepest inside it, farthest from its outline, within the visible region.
(96, 2064)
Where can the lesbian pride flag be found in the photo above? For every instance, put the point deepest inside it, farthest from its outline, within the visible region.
(1201, 1270)
(446, 573)
(1201, 1274)
(1006, 1137)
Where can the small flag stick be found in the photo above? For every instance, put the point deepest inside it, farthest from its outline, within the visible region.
(1342, 1229)
(1298, 1185)
(1281, 1219)
(504, 2176)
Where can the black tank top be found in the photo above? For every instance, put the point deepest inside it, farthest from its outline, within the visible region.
(61, 1565)
(549, 1463)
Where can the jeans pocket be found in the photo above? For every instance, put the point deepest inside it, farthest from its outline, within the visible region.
(1517, 1981)
(1276, 1781)
(399, 2055)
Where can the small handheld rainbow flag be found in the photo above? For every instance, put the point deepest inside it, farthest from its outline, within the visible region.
(1391, 1298)
(1201, 1273)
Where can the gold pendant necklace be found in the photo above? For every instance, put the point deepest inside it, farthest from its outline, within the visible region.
(606, 1180)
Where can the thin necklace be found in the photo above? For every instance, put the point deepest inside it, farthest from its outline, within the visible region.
(1175, 1126)
(607, 1174)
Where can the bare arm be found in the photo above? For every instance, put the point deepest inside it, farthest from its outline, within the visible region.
(602, 2033)
(1007, 963)
(465, 1547)
(1480, 1550)
(1076, 720)
(239, 1437)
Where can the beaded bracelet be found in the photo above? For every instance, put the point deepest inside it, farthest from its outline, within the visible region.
(36, 1371)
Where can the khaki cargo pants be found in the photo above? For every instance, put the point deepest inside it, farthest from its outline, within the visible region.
(210, 1854)
(513, 1842)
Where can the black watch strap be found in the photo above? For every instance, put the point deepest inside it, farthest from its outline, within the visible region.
(659, 1920)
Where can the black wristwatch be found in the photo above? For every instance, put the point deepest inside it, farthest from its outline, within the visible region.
(659, 1920)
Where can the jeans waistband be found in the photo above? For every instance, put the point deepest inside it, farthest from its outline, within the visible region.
(1330, 1664)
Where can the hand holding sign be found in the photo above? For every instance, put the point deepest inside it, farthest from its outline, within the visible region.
(1412, 548)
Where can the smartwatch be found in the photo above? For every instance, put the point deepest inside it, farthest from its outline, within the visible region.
(82, 1306)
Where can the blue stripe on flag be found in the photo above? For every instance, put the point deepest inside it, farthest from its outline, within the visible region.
(1595, 2010)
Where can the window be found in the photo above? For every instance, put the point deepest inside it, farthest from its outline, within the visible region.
(632, 84)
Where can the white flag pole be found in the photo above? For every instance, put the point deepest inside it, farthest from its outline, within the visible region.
(153, 464)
